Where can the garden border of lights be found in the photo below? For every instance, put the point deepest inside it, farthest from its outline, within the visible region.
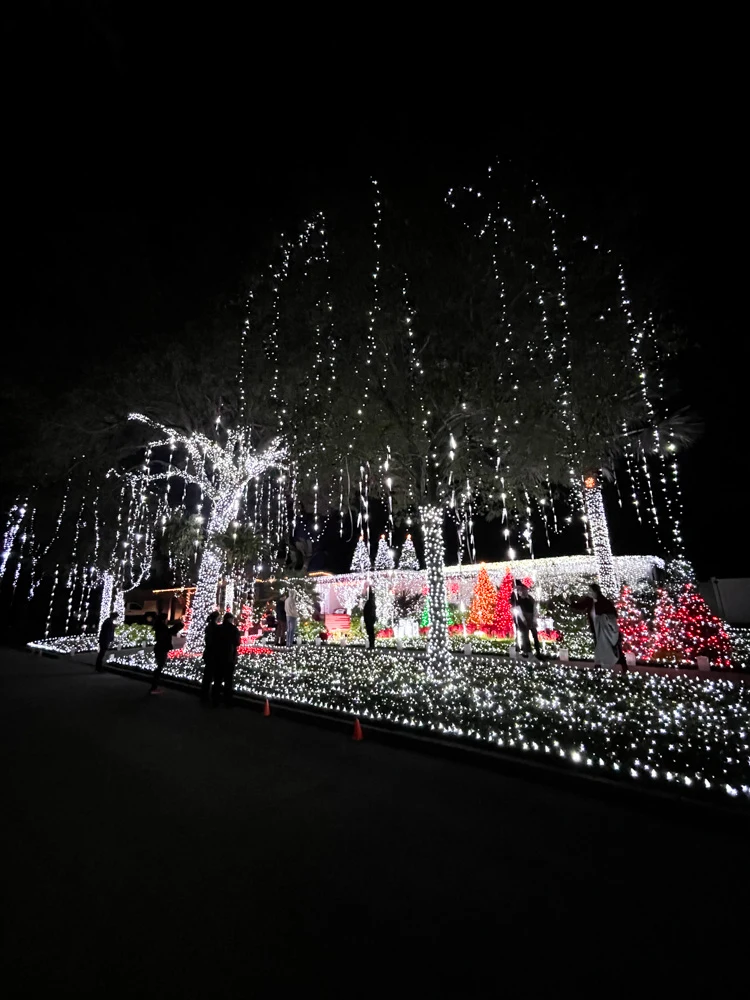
(680, 734)
(87, 643)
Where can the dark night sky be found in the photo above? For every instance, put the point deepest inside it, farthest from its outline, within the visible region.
(149, 162)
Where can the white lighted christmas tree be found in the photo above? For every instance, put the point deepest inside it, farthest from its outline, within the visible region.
(361, 562)
(408, 559)
(384, 556)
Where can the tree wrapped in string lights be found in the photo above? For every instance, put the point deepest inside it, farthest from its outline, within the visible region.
(438, 652)
(221, 469)
(599, 529)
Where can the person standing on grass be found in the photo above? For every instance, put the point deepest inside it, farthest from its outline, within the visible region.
(290, 607)
(210, 649)
(369, 617)
(163, 635)
(602, 616)
(524, 610)
(228, 640)
(106, 638)
(280, 622)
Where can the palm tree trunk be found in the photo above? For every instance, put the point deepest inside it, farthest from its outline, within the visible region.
(120, 605)
(105, 606)
(204, 602)
(597, 519)
(229, 594)
(438, 651)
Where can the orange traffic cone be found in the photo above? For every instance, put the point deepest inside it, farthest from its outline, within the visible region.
(266, 708)
(357, 734)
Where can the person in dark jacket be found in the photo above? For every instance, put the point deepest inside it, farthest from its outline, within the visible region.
(210, 648)
(280, 622)
(268, 629)
(106, 638)
(369, 617)
(163, 635)
(228, 640)
(524, 613)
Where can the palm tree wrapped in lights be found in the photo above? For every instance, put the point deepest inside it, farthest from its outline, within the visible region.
(221, 469)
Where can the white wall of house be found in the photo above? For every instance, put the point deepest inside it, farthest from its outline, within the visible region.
(728, 598)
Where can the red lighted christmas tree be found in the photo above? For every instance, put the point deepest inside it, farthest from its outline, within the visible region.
(502, 621)
(666, 645)
(482, 611)
(634, 629)
(698, 631)
(246, 619)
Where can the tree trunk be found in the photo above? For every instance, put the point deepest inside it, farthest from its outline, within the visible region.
(438, 651)
(120, 605)
(229, 595)
(204, 601)
(597, 518)
(105, 606)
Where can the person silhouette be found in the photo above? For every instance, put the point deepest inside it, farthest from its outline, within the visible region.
(106, 638)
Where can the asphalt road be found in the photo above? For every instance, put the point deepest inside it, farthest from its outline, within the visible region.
(154, 847)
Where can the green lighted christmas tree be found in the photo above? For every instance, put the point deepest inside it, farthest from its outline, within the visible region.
(424, 621)
(482, 611)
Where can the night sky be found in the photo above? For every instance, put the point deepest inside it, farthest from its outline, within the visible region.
(150, 162)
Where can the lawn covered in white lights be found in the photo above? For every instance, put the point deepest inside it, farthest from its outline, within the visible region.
(680, 732)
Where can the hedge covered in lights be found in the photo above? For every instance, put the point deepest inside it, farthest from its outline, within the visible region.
(578, 643)
(682, 732)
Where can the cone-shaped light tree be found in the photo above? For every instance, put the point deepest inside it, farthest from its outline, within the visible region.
(361, 562)
(699, 631)
(384, 556)
(408, 558)
(634, 629)
(502, 621)
(482, 610)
